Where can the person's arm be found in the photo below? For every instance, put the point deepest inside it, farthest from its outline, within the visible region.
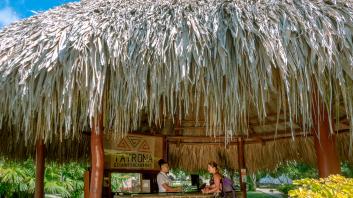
(170, 189)
(216, 187)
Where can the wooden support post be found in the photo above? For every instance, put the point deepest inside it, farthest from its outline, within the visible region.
(165, 148)
(97, 158)
(40, 153)
(242, 167)
(325, 143)
(86, 184)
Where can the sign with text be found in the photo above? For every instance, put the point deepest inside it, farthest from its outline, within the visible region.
(133, 152)
(137, 160)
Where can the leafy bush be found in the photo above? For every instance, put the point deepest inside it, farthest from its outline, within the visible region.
(295, 170)
(347, 169)
(251, 185)
(332, 186)
(17, 179)
(285, 188)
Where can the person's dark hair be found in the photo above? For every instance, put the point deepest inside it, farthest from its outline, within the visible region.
(161, 162)
(213, 164)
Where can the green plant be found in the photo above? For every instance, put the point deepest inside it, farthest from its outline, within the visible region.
(117, 180)
(295, 170)
(14, 180)
(347, 169)
(17, 179)
(334, 186)
(285, 188)
(179, 174)
(73, 172)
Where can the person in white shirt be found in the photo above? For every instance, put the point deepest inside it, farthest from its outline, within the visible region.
(164, 182)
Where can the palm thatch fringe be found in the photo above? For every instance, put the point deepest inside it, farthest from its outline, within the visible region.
(257, 156)
(195, 157)
(343, 146)
(162, 56)
(261, 157)
(77, 149)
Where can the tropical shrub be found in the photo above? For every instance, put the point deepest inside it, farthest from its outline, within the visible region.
(285, 188)
(295, 170)
(17, 179)
(347, 169)
(334, 186)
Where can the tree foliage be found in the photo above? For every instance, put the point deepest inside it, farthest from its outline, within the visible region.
(347, 169)
(18, 179)
(295, 170)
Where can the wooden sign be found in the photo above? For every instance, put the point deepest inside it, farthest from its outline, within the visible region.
(134, 152)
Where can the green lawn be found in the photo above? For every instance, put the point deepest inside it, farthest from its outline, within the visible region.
(257, 195)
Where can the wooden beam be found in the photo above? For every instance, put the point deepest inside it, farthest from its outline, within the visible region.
(40, 167)
(258, 138)
(177, 125)
(97, 158)
(344, 121)
(251, 130)
(86, 184)
(272, 135)
(135, 170)
(268, 116)
(325, 141)
(165, 148)
(251, 127)
(208, 143)
(242, 167)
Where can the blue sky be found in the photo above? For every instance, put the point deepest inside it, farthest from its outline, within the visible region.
(12, 10)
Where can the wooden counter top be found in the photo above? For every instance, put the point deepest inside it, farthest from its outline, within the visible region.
(169, 195)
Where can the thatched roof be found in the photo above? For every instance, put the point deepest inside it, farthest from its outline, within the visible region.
(223, 60)
(258, 156)
(59, 150)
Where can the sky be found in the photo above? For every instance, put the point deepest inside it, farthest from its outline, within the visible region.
(13, 10)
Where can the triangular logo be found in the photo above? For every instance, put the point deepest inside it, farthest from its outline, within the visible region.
(134, 142)
(123, 145)
(144, 147)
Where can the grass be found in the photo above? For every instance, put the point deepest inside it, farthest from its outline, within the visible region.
(257, 195)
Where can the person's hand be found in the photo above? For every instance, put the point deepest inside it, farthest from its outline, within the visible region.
(205, 190)
(177, 189)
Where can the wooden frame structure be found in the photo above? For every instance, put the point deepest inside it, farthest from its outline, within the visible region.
(40, 168)
(239, 73)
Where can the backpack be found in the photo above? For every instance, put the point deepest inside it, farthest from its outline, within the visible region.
(227, 184)
(227, 187)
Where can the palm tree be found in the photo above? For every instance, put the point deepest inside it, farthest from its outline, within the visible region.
(18, 179)
(15, 178)
(73, 172)
(56, 187)
(54, 183)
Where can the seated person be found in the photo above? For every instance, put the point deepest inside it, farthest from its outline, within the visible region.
(215, 181)
(164, 182)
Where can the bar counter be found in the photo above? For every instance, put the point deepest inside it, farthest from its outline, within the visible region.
(169, 195)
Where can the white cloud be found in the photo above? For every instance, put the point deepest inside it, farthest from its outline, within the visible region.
(7, 16)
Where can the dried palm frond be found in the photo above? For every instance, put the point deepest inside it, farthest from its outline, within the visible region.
(258, 156)
(77, 149)
(58, 69)
(196, 157)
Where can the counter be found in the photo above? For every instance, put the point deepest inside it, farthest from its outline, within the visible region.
(169, 195)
